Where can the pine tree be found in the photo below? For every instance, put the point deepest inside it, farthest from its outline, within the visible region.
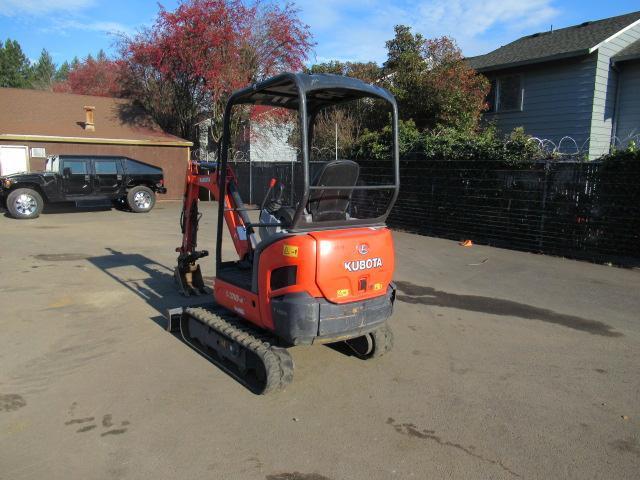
(15, 68)
(63, 72)
(44, 72)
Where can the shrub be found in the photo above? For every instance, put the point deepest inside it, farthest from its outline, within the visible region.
(451, 144)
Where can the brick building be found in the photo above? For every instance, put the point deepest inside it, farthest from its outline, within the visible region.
(35, 124)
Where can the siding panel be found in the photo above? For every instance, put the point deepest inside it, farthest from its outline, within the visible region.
(605, 92)
(557, 102)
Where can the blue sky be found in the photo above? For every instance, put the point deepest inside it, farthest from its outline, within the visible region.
(342, 29)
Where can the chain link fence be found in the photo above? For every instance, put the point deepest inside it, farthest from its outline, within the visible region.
(577, 209)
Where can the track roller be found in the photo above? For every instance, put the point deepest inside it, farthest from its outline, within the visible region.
(242, 351)
(373, 344)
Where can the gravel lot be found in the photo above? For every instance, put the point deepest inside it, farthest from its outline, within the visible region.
(506, 365)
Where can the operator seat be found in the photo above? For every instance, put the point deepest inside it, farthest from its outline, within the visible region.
(323, 205)
(330, 204)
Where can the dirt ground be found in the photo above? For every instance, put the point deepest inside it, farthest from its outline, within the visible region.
(506, 365)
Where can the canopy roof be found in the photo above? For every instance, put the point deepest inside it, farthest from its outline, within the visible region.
(319, 90)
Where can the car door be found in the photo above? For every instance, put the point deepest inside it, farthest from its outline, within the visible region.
(76, 176)
(108, 176)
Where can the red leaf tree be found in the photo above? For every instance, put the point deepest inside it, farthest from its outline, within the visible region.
(99, 77)
(184, 68)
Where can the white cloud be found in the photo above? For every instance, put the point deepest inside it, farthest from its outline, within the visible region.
(103, 27)
(41, 7)
(358, 29)
(468, 19)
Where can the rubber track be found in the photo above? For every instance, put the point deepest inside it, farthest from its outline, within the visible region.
(277, 362)
(383, 339)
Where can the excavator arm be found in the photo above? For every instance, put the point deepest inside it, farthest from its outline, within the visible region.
(205, 176)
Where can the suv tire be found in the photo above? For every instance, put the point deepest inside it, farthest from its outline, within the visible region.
(141, 199)
(24, 203)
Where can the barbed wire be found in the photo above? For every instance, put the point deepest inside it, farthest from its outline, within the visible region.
(565, 148)
(570, 148)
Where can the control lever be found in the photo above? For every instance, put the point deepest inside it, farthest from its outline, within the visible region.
(272, 184)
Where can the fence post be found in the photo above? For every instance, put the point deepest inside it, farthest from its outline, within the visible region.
(250, 183)
(292, 183)
(544, 203)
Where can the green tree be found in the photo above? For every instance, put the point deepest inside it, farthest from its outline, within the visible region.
(15, 68)
(62, 73)
(44, 71)
(369, 72)
(433, 85)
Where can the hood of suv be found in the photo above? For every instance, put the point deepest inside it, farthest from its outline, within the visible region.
(26, 175)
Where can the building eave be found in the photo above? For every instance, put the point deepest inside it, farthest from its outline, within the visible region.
(97, 141)
(618, 33)
(534, 61)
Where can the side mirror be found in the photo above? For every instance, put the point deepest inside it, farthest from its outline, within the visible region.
(66, 172)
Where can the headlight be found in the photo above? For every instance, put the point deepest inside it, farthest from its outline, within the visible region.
(6, 183)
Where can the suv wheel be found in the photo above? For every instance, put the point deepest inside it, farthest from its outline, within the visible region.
(141, 199)
(24, 203)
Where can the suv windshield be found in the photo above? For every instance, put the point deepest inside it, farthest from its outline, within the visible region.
(52, 164)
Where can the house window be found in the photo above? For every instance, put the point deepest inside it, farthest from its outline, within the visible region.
(506, 94)
(491, 98)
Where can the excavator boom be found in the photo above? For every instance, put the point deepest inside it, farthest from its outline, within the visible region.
(199, 177)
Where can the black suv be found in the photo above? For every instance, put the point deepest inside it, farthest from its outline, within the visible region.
(83, 179)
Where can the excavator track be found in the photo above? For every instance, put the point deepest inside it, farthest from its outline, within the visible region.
(373, 344)
(245, 353)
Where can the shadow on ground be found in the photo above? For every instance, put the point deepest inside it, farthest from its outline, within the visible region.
(154, 282)
(418, 294)
(150, 280)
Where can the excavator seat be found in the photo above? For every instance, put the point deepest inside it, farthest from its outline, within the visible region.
(332, 204)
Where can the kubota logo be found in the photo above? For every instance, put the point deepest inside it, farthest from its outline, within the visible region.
(357, 265)
(363, 249)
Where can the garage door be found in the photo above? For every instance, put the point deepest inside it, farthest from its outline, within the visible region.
(13, 160)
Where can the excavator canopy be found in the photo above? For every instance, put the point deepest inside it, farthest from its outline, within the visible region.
(340, 193)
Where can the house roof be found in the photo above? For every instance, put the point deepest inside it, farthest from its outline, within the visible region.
(59, 117)
(632, 52)
(562, 43)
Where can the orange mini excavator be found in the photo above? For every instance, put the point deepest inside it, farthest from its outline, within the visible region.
(314, 265)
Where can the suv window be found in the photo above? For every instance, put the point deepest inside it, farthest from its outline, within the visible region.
(139, 168)
(77, 167)
(106, 167)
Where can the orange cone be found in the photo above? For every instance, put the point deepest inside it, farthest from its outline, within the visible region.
(466, 243)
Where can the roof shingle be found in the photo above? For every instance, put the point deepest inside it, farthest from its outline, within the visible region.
(556, 44)
(44, 113)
